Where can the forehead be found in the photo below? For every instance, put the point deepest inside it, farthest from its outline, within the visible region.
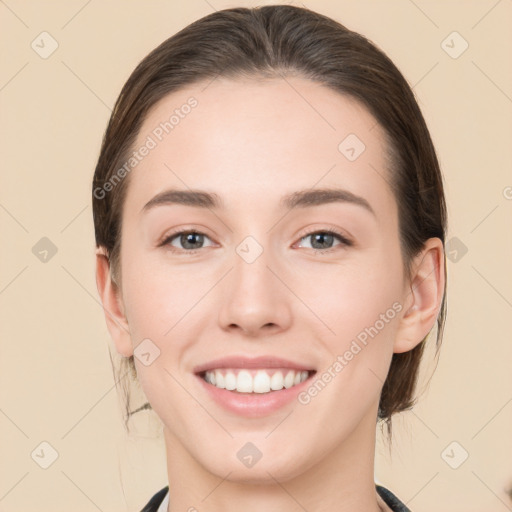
(259, 139)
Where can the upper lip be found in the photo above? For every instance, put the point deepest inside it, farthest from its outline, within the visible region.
(251, 362)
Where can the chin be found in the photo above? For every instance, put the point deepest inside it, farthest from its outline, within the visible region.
(267, 466)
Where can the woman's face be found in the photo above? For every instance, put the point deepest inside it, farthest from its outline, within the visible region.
(280, 282)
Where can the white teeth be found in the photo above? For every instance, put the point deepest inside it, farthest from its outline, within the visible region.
(230, 381)
(210, 377)
(261, 382)
(277, 381)
(219, 380)
(288, 380)
(244, 382)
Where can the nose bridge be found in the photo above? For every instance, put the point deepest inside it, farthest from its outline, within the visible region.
(253, 297)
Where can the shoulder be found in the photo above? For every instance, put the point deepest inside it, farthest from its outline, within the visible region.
(391, 500)
(153, 504)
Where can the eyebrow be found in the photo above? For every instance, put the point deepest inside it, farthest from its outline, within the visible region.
(299, 199)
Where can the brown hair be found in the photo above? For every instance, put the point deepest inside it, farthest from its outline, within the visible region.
(270, 42)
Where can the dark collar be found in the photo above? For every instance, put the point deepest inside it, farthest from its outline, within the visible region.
(389, 498)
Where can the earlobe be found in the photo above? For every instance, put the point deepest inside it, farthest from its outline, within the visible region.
(113, 306)
(425, 296)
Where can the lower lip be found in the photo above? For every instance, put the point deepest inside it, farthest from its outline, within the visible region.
(253, 405)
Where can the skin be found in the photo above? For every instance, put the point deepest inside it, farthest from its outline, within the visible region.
(252, 142)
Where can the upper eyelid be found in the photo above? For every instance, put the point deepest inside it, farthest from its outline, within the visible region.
(333, 230)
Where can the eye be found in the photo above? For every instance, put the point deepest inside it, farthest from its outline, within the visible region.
(323, 239)
(190, 241)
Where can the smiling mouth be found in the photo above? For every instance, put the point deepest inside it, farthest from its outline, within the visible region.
(255, 380)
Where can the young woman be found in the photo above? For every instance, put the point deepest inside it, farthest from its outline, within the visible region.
(270, 220)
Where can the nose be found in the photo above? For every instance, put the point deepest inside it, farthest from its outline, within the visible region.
(254, 298)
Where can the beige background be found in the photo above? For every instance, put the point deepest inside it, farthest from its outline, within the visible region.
(56, 382)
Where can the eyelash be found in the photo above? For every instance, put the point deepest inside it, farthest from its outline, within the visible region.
(166, 242)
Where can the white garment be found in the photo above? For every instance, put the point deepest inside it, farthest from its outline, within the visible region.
(165, 503)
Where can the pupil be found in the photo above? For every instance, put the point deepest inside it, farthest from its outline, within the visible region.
(323, 236)
(189, 239)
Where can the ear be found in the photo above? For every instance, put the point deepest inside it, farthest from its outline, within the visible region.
(424, 298)
(113, 307)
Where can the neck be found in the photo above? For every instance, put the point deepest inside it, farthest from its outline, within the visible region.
(343, 481)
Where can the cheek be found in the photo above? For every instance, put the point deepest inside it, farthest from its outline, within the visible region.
(361, 305)
(154, 294)
(364, 315)
(353, 297)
